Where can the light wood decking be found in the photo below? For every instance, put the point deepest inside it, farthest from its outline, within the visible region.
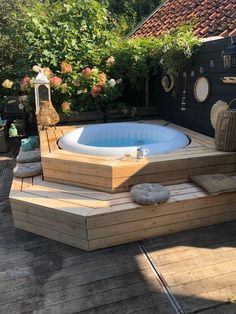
(91, 219)
(43, 276)
(117, 175)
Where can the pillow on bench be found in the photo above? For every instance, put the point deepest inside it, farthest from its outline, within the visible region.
(215, 183)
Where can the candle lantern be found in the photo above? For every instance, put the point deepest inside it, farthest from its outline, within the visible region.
(42, 90)
(229, 55)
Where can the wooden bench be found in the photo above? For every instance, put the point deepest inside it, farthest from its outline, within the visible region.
(90, 219)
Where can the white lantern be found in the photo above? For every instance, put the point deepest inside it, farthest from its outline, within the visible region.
(41, 90)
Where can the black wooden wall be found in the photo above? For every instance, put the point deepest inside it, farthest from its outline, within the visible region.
(197, 115)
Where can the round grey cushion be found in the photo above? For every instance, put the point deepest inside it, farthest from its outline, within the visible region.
(27, 170)
(30, 156)
(149, 193)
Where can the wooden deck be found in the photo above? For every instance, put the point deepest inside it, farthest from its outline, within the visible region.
(41, 276)
(118, 174)
(91, 219)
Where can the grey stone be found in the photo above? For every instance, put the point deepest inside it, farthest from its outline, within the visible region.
(28, 157)
(149, 193)
(27, 170)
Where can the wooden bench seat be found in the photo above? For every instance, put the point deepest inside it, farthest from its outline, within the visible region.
(90, 219)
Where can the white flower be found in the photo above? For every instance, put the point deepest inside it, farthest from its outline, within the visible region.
(112, 82)
(23, 98)
(36, 68)
(110, 61)
(119, 81)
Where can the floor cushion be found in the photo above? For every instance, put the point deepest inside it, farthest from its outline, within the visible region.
(215, 183)
(149, 193)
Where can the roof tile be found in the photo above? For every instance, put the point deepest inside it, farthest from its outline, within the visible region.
(233, 32)
(212, 17)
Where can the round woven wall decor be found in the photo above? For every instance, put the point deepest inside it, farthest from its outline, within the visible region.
(216, 109)
(201, 89)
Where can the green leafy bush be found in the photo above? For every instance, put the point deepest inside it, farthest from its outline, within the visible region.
(69, 37)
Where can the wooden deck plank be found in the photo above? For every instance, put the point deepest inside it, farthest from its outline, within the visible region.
(52, 139)
(52, 204)
(123, 170)
(203, 275)
(69, 198)
(160, 230)
(92, 194)
(204, 139)
(52, 234)
(16, 186)
(58, 133)
(162, 221)
(51, 215)
(51, 224)
(44, 145)
(202, 201)
(76, 167)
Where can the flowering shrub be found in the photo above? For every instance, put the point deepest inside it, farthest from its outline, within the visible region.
(89, 89)
(7, 84)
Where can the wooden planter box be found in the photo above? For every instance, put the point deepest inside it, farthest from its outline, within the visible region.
(112, 115)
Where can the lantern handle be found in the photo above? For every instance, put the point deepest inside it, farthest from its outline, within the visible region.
(230, 103)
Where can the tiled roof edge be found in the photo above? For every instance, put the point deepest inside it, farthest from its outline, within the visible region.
(145, 19)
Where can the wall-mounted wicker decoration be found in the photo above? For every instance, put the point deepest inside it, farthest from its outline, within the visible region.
(216, 109)
(47, 114)
(225, 135)
(168, 82)
(201, 89)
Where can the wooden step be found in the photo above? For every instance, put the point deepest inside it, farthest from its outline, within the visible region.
(90, 219)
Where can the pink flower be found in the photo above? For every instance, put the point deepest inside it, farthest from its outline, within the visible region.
(110, 61)
(55, 81)
(66, 67)
(25, 83)
(87, 72)
(102, 78)
(96, 90)
(65, 106)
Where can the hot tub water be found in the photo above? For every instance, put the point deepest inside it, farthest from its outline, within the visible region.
(119, 139)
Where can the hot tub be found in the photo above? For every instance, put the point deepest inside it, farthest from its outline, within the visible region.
(120, 139)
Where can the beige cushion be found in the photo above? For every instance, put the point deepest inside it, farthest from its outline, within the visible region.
(216, 183)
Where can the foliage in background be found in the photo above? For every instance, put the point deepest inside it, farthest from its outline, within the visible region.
(12, 51)
(138, 59)
(79, 35)
(128, 13)
(76, 31)
(177, 49)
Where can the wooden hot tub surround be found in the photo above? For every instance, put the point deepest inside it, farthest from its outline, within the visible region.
(83, 200)
(115, 175)
(90, 219)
